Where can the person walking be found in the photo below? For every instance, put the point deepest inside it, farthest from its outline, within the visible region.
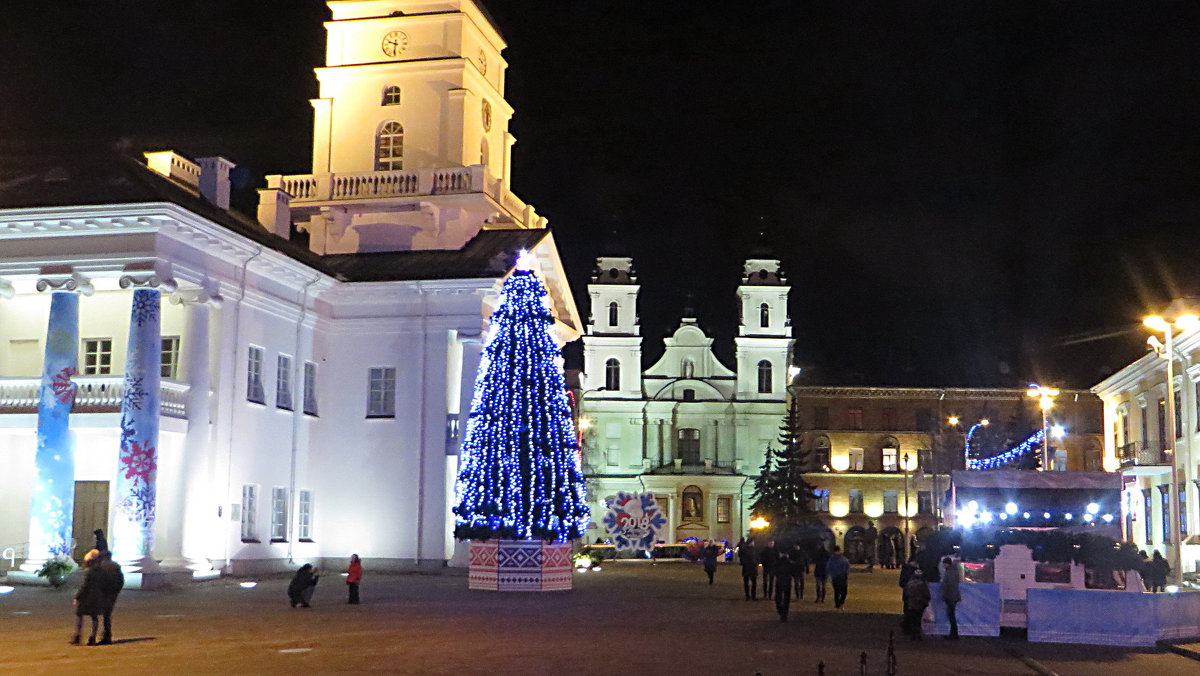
(1159, 570)
(951, 594)
(784, 567)
(916, 600)
(870, 540)
(839, 576)
(709, 554)
(820, 560)
(112, 581)
(303, 583)
(748, 557)
(799, 569)
(89, 598)
(767, 557)
(353, 577)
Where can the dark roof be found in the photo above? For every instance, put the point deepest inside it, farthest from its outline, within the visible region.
(66, 180)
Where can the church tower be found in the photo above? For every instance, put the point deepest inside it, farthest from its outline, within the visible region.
(764, 342)
(612, 348)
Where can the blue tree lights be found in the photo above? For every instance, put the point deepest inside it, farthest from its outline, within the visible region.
(520, 478)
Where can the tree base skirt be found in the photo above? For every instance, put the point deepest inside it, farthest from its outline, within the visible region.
(520, 565)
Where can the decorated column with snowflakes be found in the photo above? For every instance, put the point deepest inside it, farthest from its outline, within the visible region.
(50, 516)
(137, 467)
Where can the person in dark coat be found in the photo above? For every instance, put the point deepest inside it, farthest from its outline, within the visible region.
(870, 538)
(112, 581)
(916, 600)
(353, 577)
(799, 569)
(951, 594)
(783, 570)
(820, 558)
(303, 584)
(838, 568)
(709, 554)
(97, 596)
(767, 557)
(1159, 570)
(748, 557)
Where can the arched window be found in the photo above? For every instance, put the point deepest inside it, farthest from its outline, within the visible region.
(764, 315)
(391, 95)
(687, 368)
(821, 453)
(612, 375)
(389, 147)
(688, 446)
(764, 377)
(613, 312)
(693, 503)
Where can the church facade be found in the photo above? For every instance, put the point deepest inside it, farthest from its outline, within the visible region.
(307, 392)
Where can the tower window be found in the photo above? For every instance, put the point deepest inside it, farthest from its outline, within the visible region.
(764, 377)
(688, 449)
(764, 315)
(389, 147)
(391, 95)
(612, 375)
(613, 311)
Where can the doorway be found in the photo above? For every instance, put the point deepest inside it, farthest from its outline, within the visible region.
(91, 512)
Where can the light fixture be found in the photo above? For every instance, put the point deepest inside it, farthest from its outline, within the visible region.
(1026, 515)
(1003, 516)
(972, 506)
(1045, 515)
(1011, 508)
(1107, 518)
(1068, 516)
(5, 589)
(985, 422)
(1093, 508)
(1058, 431)
(1088, 518)
(585, 424)
(1172, 589)
(986, 517)
(248, 584)
(953, 420)
(759, 523)
(839, 510)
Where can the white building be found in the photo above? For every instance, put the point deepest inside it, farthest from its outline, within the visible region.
(311, 396)
(688, 428)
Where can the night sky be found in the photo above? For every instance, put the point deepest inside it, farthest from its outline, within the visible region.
(958, 190)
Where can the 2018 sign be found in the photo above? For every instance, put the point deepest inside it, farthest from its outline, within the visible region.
(633, 521)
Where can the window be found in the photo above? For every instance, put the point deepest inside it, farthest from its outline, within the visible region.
(889, 418)
(389, 147)
(310, 388)
(278, 514)
(612, 375)
(1147, 519)
(304, 516)
(1162, 423)
(381, 392)
(764, 315)
(254, 376)
(764, 377)
(249, 509)
(1196, 399)
(688, 446)
(1182, 512)
(687, 368)
(854, 418)
(821, 500)
(614, 312)
(693, 503)
(1165, 495)
(1124, 414)
(924, 502)
(890, 462)
(856, 501)
(821, 453)
(856, 460)
(1145, 424)
(452, 428)
(1178, 414)
(689, 394)
(170, 357)
(724, 504)
(890, 502)
(923, 417)
(821, 417)
(1128, 533)
(391, 95)
(613, 456)
(97, 356)
(283, 382)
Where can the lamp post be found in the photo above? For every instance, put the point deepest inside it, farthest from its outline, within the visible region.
(1045, 397)
(907, 511)
(1183, 320)
(582, 424)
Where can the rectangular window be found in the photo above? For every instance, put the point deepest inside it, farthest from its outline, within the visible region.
(1125, 424)
(724, 502)
(856, 460)
(890, 463)
(310, 388)
(1145, 426)
(924, 502)
(923, 417)
(249, 511)
(255, 391)
(304, 516)
(821, 500)
(381, 392)
(283, 382)
(889, 418)
(1165, 500)
(925, 460)
(1178, 414)
(613, 455)
(1182, 512)
(1197, 400)
(820, 417)
(97, 356)
(170, 357)
(1160, 442)
(854, 418)
(856, 501)
(279, 506)
(891, 502)
(452, 434)
(1148, 515)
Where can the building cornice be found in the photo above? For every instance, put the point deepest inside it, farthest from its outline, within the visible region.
(952, 393)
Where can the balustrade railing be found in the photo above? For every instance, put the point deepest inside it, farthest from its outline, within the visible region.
(93, 394)
(1143, 453)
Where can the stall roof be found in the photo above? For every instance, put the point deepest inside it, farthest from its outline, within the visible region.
(1016, 479)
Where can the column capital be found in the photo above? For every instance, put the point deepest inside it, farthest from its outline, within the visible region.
(196, 297)
(74, 282)
(147, 280)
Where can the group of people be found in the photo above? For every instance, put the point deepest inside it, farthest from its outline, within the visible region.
(304, 583)
(784, 569)
(1154, 571)
(97, 595)
(917, 596)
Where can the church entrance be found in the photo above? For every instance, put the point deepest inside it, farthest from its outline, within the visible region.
(91, 512)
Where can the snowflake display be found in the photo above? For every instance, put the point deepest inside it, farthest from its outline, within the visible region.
(63, 387)
(633, 521)
(138, 462)
(145, 306)
(134, 392)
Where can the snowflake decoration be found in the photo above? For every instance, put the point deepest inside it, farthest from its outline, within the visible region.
(139, 505)
(138, 462)
(145, 306)
(63, 388)
(134, 392)
(633, 520)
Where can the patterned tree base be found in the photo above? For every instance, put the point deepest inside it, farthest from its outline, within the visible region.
(520, 565)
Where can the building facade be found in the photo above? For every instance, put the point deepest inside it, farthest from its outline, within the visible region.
(307, 392)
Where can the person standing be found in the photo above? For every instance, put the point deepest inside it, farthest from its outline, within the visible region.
(839, 576)
(353, 577)
(89, 598)
(748, 557)
(112, 581)
(767, 557)
(1159, 570)
(303, 583)
(871, 540)
(709, 554)
(799, 569)
(820, 560)
(783, 584)
(951, 594)
(916, 600)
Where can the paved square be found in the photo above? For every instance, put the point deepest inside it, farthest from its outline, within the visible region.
(629, 618)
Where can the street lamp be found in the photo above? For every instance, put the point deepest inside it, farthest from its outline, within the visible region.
(1045, 397)
(904, 465)
(1183, 320)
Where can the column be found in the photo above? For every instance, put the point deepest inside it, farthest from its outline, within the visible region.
(137, 469)
(51, 513)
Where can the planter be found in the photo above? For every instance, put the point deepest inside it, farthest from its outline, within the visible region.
(520, 565)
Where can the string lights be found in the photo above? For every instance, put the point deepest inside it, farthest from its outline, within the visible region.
(1011, 455)
(520, 478)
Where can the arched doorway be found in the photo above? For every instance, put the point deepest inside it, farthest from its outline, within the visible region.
(891, 547)
(855, 548)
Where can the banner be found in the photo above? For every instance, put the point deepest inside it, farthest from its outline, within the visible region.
(633, 521)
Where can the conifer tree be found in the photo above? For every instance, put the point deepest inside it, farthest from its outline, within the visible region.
(781, 493)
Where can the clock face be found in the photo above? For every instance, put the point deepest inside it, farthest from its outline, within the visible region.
(482, 60)
(395, 43)
(487, 115)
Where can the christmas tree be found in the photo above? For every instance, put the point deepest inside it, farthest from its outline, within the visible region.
(781, 494)
(520, 477)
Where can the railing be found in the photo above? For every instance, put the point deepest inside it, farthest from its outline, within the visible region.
(93, 394)
(1143, 453)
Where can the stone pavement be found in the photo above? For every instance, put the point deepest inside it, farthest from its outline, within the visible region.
(630, 618)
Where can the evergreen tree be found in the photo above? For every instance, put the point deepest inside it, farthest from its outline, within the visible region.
(781, 493)
(520, 476)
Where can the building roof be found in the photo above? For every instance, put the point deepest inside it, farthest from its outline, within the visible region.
(109, 178)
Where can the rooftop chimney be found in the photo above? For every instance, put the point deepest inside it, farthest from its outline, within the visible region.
(214, 180)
